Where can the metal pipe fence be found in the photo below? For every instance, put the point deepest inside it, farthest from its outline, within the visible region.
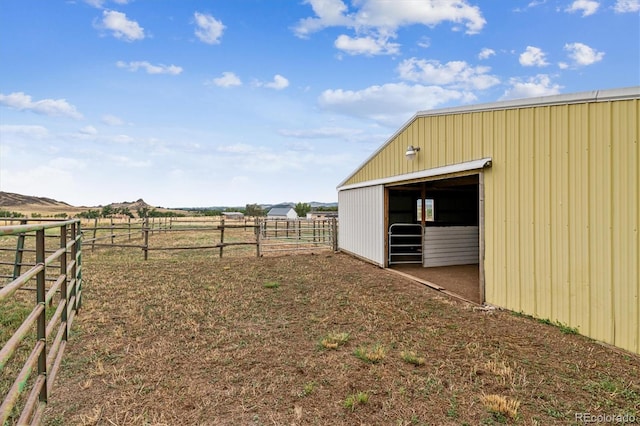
(266, 235)
(277, 235)
(33, 346)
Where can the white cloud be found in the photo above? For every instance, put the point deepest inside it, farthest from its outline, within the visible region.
(457, 74)
(121, 27)
(278, 83)
(330, 13)
(112, 120)
(583, 55)
(376, 21)
(486, 53)
(322, 133)
(539, 85)
(150, 68)
(533, 57)
(99, 3)
(390, 104)
(89, 130)
(209, 30)
(532, 4)
(228, 79)
(31, 132)
(366, 45)
(387, 14)
(626, 6)
(50, 107)
(424, 42)
(587, 7)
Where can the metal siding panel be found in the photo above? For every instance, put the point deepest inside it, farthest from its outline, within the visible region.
(361, 215)
(559, 252)
(579, 216)
(542, 220)
(477, 147)
(490, 195)
(441, 139)
(599, 223)
(498, 289)
(526, 204)
(512, 165)
(625, 223)
(458, 134)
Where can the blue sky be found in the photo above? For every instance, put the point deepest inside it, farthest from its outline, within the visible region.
(230, 102)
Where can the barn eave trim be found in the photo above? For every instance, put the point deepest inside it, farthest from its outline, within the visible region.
(423, 174)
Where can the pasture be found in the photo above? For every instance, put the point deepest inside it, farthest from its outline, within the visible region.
(189, 338)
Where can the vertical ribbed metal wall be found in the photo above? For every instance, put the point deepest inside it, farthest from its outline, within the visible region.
(562, 212)
(361, 218)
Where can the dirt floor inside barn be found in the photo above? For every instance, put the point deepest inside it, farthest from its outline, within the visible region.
(316, 339)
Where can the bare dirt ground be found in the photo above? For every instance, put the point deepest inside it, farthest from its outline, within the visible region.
(316, 339)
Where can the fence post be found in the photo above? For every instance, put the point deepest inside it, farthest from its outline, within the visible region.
(334, 233)
(95, 229)
(145, 228)
(129, 228)
(75, 231)
(63, 284)
(113, 237)
(221, 236)
(258, 230)
(17, 266)
(42, 324)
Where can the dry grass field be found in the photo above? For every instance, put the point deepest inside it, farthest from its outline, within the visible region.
(187, 338)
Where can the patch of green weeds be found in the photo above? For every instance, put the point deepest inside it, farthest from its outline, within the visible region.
(452, 412)
(613, 388)
(271, 284)
(307, 389)
(564, 328)
(373, 354)
(353, 400)
(556, 414)
(334, 340)
(412, 357)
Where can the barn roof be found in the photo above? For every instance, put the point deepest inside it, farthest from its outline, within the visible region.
(279, 211)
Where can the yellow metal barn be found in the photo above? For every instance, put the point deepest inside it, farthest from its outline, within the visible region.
(536, 200)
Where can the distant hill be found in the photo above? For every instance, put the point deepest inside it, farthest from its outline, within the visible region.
(10, 199)
(132, 205)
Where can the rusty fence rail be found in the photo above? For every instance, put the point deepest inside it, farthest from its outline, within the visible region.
(30, 359)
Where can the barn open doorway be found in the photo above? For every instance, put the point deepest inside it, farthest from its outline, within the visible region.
(434, 233)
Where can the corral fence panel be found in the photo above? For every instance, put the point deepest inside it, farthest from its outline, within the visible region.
(244, 236)
(279, 235)
(40, 293)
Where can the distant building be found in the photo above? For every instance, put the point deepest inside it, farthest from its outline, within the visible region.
(282, 212)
